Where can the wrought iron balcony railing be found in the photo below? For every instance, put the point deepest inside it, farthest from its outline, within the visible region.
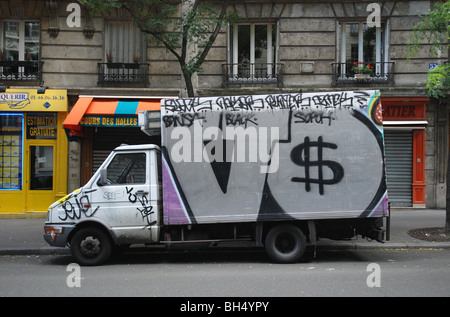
(21, 71)
(252, 73)
(119, 74)
(343, 73)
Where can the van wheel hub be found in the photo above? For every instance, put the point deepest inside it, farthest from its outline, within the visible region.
(90, 246)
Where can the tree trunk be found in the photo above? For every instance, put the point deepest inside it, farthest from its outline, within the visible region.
(188, 82)
(447, 204)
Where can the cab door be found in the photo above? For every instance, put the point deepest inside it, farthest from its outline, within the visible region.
(122, 199)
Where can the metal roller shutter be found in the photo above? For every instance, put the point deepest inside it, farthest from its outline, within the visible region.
(399, 153)
(106, 139)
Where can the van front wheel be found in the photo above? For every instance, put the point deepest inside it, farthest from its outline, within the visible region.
(285, 243)
(90, 246)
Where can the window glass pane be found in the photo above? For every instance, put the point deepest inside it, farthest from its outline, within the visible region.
(41, 167)
(369, 44)
(351, 41)
(125, 43)
(11, 40)
(261, 43)
(11, 149)
(244, 44)
(32, 41)
(21, 40)
(127, 169)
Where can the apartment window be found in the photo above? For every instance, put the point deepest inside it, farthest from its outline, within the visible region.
(252, 52)
(124, 42)
(21, 40)
(363, 45)
(125, 55)
(19, 51)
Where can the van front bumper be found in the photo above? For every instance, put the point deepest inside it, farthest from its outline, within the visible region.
(57, 235)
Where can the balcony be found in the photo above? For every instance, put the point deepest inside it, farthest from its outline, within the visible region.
(21, 71)
(383, 73)
(123, 74)
(252, 74)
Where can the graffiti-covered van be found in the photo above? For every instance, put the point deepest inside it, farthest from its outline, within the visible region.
(262, 168)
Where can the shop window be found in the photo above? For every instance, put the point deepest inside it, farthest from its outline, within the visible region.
(11, 149)
(252, 54)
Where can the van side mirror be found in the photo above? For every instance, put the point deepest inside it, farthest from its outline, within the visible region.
(103, 178)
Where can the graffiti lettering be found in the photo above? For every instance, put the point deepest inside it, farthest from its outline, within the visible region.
(113, 195)
(314, 117)
(131, 197)
(187, 105)
(146, 209)
(256, 103)
(83, 207)
(239, 118)
(182, 120)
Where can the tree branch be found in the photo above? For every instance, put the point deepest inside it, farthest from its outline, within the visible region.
(157, 35)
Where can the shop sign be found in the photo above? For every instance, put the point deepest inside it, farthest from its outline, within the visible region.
(406, 111)
(109, 121)
(29, 100)
(42, 126)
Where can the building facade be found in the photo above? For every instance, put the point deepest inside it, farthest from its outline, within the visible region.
(61, 66)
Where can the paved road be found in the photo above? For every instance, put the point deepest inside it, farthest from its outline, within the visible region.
(237, 273)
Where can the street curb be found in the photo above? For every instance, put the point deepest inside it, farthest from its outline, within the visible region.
(44, 251)
(390, 246)
(335, 247)
(26, 215)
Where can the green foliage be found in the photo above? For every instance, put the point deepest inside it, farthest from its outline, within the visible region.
(434, 29)
(438, 80)
(179, 25)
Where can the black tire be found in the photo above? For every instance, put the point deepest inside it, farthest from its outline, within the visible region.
(285, 243)
(91, 246)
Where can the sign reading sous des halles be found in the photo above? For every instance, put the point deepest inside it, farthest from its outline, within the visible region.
(109, 121)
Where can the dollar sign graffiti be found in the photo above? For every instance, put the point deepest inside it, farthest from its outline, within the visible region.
(303, 151)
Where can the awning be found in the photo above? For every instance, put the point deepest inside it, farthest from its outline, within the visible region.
(108, 111)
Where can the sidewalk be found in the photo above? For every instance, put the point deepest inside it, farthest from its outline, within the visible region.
(25, 236)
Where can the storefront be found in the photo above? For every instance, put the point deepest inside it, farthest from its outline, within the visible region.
(33, 149)
(404, 121)
(102, 123)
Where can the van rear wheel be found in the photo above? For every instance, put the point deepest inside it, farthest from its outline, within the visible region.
(285, 243)
(91, 246)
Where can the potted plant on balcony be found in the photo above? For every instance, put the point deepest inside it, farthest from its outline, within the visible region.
(110, 62)
(362, 70)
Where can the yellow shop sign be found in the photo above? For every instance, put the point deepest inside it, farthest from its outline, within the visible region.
(53, 100)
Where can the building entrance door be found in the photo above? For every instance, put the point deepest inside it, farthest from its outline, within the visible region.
(41, 167)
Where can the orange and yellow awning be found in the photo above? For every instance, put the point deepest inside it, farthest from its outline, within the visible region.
(103, 111)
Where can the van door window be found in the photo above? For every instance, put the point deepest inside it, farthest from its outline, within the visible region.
(128, 168)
